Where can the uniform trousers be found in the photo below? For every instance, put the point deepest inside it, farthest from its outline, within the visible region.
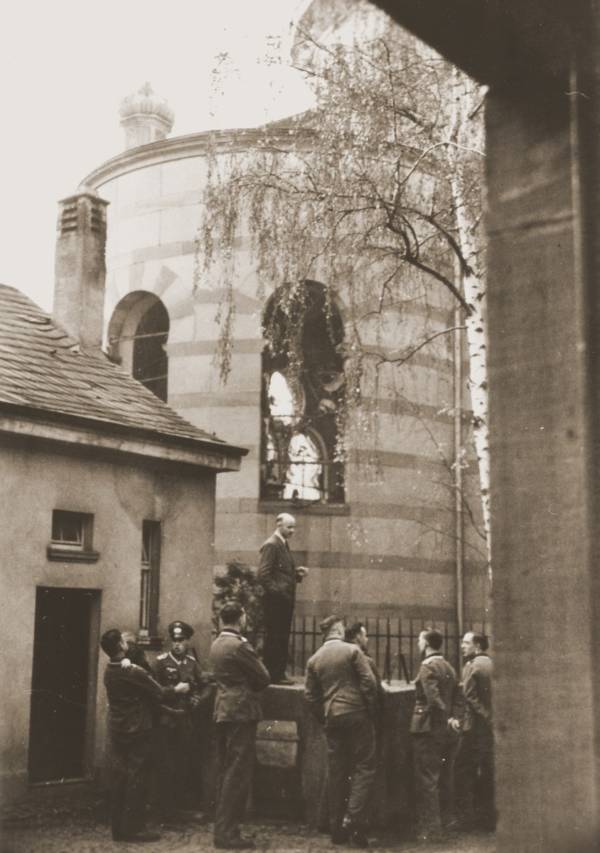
(351, 768)
(278, 611)
(434, 753)
(129, 762)
(474, 775)
(235, 763)
(180, 773)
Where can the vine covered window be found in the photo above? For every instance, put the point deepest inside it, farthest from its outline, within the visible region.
(303, 392)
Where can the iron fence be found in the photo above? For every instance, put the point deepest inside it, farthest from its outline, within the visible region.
(392, 643)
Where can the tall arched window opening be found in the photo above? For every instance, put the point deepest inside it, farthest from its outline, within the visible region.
(150, 360)
(138, 334)
(303, 392)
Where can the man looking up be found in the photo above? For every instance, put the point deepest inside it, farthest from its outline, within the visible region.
(132, 696)
(240, 677)
(475, 760)
(278, 575)
(342, 693)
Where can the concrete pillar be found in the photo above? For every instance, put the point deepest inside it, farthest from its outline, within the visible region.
(544, 428)
(80, 268)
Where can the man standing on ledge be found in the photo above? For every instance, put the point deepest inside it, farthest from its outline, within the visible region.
(278, 575)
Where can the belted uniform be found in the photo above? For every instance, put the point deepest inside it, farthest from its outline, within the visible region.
(342, 692)
(240, 677)
(179, 735)
(434, 745)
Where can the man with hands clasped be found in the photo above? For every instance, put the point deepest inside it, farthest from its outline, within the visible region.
(279, 575)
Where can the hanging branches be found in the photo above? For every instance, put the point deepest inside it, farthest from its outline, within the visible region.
(357, 192)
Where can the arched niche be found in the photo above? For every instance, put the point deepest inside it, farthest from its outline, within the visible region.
(137, 337)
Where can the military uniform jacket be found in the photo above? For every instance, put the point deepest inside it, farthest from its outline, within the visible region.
(133, 696)
(169, 670)
(240, 677)
(339, 681)
(276, 569)
(477, 690)
(437, 696)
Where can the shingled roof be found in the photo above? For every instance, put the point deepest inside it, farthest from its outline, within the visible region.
(44, 370)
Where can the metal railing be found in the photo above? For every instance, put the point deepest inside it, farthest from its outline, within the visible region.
(392, 643)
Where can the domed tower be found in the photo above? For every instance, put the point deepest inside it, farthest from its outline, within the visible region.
(145, 116)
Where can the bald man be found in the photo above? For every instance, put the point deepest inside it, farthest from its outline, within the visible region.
(279, 575)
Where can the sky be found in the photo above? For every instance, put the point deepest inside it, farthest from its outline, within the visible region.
(66, 65)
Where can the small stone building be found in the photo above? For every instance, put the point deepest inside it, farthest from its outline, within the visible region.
(108, 501)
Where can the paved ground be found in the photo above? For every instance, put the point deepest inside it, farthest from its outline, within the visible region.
(96, 839)
(78, 825)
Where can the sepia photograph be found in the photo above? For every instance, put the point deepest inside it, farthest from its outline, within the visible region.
(299, 426)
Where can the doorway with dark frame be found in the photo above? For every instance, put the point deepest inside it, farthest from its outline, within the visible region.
(63, 684)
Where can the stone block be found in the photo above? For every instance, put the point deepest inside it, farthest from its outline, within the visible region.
(277, 743)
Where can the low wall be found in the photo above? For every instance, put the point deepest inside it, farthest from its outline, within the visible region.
(291, 766)
(290, 776)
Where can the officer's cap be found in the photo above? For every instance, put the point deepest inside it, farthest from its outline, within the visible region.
(180, 631)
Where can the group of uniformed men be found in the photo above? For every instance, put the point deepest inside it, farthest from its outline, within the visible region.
(450, 730)
(451, 733)
(452, 739)
(153, 726)
(155, 719)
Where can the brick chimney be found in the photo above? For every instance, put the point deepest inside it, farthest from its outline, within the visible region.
(80, 269)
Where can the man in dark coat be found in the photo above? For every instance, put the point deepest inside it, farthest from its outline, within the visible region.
(278, 576)
(132, 697)
(342, 693)
(434, 728)
(240, 677)
(475, 760)
(180, 779)
(137, 655)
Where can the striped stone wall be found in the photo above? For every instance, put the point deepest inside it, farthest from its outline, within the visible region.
(392, 546)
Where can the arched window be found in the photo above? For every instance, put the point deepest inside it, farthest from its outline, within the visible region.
(303, 389)
(138, 333)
